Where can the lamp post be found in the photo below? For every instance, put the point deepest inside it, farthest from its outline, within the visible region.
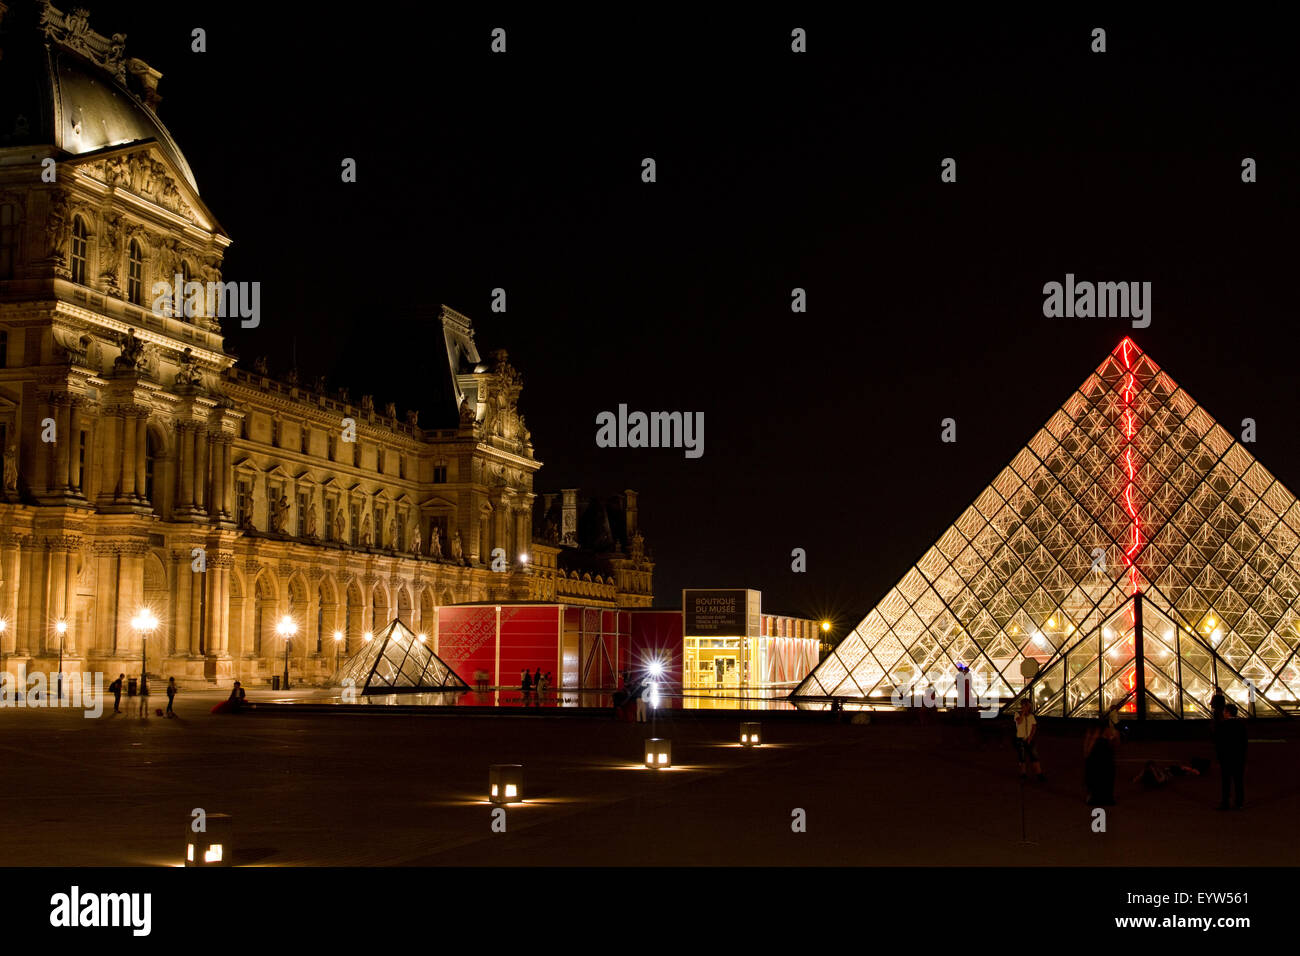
(144, 622)
(338, 647)
(62, 628)
(287, 628)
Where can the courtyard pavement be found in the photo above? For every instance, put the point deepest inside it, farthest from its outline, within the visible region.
(323, 789)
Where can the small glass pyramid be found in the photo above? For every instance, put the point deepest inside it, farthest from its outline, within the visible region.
(1131, 489)
(396, 660)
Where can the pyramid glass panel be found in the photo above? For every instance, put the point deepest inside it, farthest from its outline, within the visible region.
(397, 660)
(1133, 550)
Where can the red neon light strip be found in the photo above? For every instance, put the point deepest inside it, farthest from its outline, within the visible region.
(1126, 397)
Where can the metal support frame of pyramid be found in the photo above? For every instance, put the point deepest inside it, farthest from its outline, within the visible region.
(394, 661)
(1134, 550)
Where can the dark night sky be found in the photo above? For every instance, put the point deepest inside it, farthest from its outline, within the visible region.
(775, 171)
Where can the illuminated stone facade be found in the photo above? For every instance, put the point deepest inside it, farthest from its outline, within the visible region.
(142, 469)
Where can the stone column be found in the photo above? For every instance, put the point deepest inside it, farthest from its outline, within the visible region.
(182, 589)
(201, 470)
(30, 600)
(227, 496)
(62, 444)
(198, 618)
(10, 563)
(74, 446)
(70, 598)
(127, 471)
(41, 460)
(187, 433)
(141, 452)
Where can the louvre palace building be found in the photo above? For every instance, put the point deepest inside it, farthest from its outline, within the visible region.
(144, 470)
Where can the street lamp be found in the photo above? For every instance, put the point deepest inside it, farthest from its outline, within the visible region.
(287, 628)
(62, 628)
(144, 622)
(338, 647)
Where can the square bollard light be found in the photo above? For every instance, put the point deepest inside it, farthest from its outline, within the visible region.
(658, 752)
(749, 735)
(506, 783)
(212, 846)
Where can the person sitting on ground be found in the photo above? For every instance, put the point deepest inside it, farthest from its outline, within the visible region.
(236, 697)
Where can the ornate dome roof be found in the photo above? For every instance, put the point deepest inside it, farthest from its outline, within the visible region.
(63, 84)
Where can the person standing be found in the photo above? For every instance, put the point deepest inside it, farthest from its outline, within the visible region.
(116, 688)
(1230, 738)
(144, 696)
(525, 685)
(171, 696)
(1026, 735)
(537, 685)
(1099, 763)
(1217, 703)
(640, 692)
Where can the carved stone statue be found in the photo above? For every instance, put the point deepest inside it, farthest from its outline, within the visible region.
(467, 415)
(368, 403)
(320, 384)
(365, 531)
(291, 376)
(311, 517)
(11, 468)
(189, 373)
(413, 417)
(392, 533)
(338, 525)
(260, 366)
(58, 225)
(132, 357)
(457, 553)
(391, 409)
(415, 538)
(435, 544)
(280, 515)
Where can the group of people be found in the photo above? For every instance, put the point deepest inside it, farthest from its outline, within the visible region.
(116, 688)
(1101, 741)
(534, 685)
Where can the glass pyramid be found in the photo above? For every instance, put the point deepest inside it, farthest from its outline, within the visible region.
(396, 660)
(1130, 505)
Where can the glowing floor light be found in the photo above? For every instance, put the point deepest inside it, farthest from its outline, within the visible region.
(506, 783)
(658, 752)
(211, 845)
(749, 735)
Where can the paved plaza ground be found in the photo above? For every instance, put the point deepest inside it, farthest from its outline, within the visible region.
(326, 789)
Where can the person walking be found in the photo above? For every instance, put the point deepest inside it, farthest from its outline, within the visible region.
(171, 696)
(144, 696)
(1230, 746)
(1026, 735)
(116, 688)
(537, 686)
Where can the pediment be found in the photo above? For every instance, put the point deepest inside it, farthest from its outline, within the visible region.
(144, 170)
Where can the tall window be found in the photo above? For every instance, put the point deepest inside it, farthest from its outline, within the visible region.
(79, 245)
(440, 474)
(305, 434)
(8, 239)
(320, 623)
(81, 458)
(356, 524)
(243, 495)
(379, 460)
(135, 273)
(303, 505)
(4, 349)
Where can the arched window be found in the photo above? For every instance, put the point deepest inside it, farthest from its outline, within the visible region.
(79, 245)
(135, 273)
(8, 239)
